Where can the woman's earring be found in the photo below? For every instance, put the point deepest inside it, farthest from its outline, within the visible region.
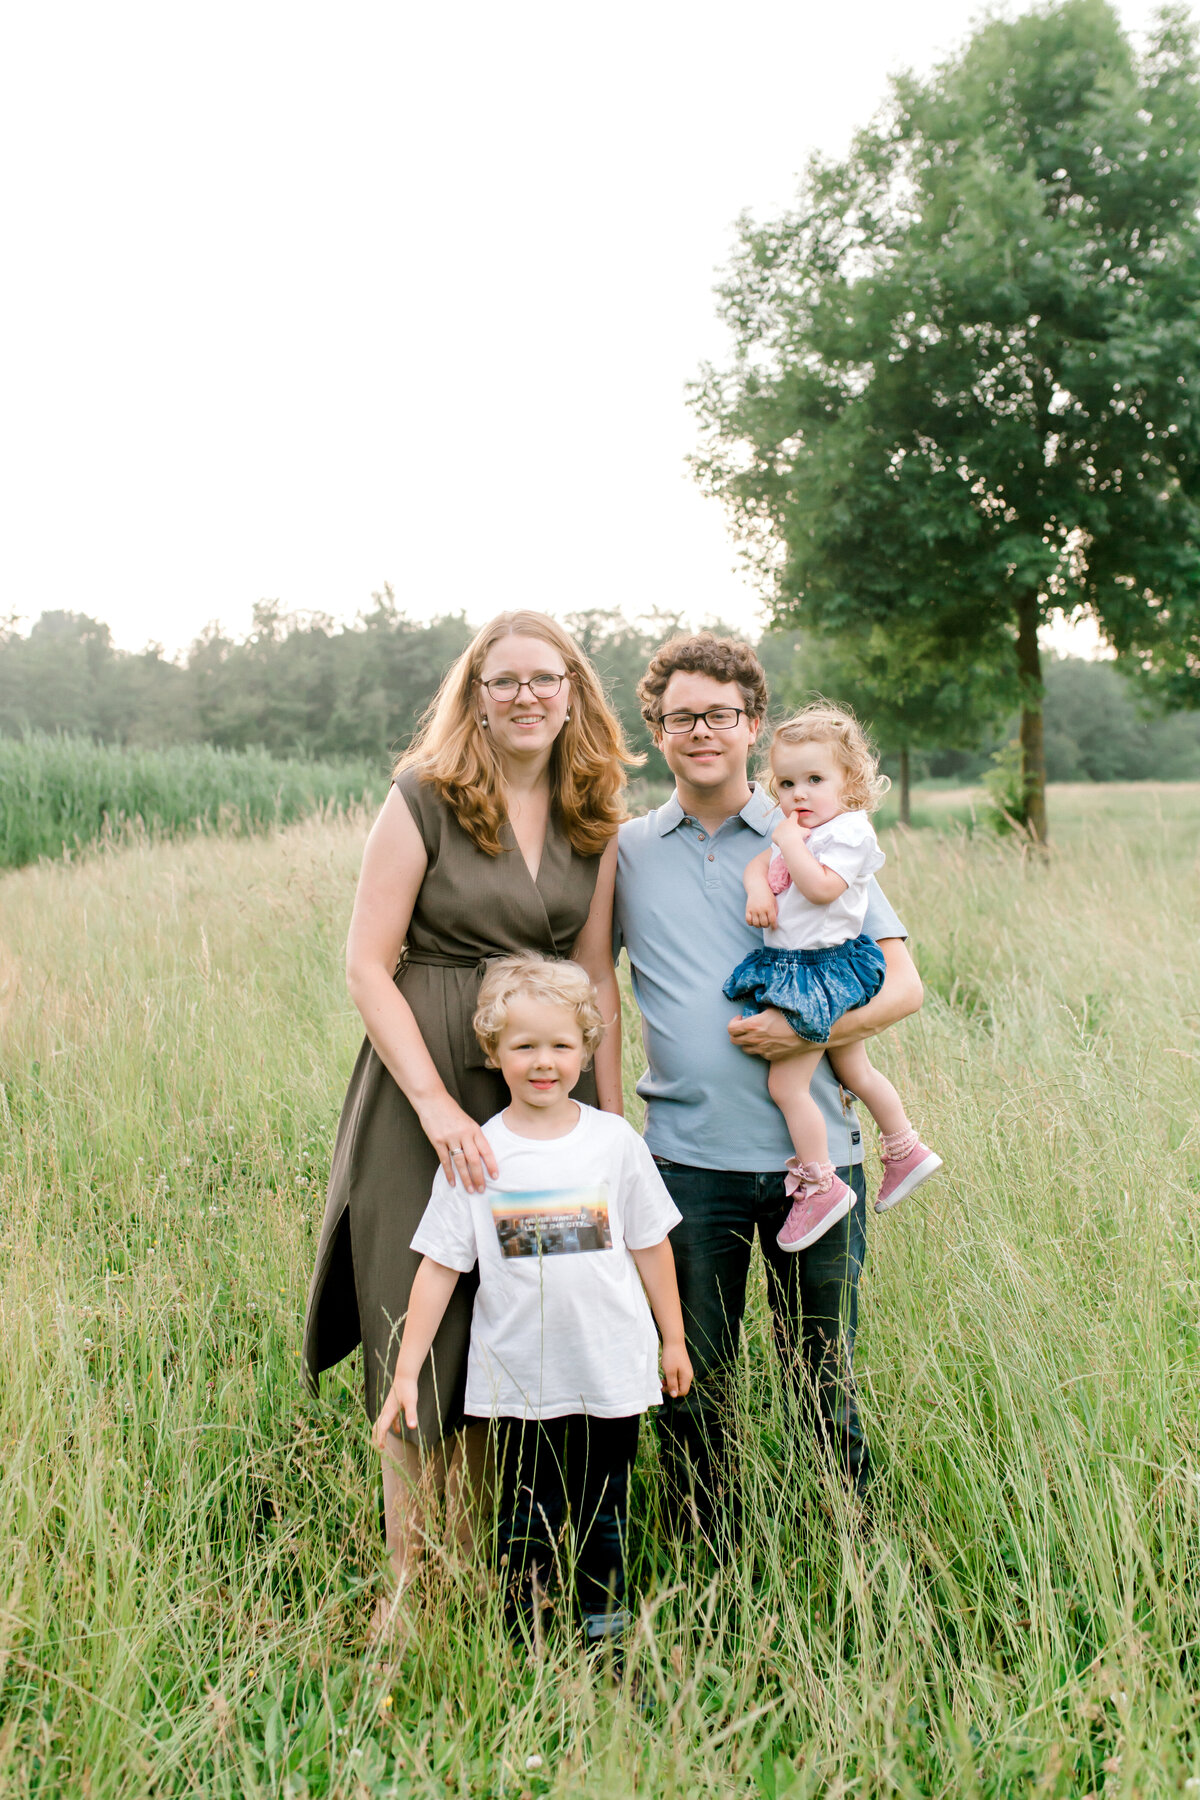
(566, 715)
(483, 724)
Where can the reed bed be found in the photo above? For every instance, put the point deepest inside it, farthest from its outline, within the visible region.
(63, 794)
(191, 1547)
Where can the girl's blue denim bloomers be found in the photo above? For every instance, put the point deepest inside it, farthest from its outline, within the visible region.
(811, 988)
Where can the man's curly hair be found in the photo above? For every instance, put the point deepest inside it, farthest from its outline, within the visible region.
(703, 653)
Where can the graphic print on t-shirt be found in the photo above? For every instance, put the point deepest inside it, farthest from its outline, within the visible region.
(552, 1221)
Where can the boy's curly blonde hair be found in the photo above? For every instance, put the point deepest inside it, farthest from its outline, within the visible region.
(552, 983)
(822, 723)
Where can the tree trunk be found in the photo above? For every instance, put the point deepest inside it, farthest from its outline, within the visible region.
(905, 789)
(1033, 748)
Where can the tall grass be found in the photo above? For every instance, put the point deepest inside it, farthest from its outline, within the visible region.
(190, 1546)
(62, 793)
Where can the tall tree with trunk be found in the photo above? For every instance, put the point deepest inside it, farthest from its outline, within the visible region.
(964, 386)
(910, 689)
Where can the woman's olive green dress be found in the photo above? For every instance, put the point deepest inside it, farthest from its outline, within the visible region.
(470, 907)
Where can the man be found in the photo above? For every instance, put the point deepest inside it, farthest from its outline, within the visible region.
(718, 1140)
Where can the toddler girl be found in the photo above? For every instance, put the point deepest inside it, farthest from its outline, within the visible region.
(563, 1355)
(809, 896)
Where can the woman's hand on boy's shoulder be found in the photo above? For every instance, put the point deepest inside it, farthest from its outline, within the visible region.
(462, 1149)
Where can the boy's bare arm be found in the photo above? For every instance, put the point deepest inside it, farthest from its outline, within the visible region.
(432, 1287)
(656, 1266)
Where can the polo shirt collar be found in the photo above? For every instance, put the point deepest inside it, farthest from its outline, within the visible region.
(756, 813)
(759, 809)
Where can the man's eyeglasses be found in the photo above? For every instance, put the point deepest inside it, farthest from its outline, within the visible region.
(507, 687)
(717, 718)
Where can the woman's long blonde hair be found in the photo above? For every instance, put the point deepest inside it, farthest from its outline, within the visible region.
(455, 756)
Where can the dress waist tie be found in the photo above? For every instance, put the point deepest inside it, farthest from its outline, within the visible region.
(439, 959)
(474, 1055)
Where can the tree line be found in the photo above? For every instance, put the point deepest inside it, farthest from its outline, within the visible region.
(305, 686)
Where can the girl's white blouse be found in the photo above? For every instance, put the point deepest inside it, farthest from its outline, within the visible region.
(846, 844)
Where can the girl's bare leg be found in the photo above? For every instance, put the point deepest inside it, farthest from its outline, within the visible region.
(788, 1083)
(855, 1070)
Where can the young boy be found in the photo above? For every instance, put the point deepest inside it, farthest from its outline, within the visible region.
(563, 1350)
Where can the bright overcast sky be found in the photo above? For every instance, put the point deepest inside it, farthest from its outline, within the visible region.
(301, 300)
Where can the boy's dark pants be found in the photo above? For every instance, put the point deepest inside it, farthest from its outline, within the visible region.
(813, 1296)
(575, 1469)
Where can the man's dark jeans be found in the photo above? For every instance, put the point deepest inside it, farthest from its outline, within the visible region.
(813, 1296)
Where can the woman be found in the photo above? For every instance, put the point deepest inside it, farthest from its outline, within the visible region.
(498, 835)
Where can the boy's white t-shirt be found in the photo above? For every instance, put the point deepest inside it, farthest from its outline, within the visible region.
(561, 1322)
(846, 844)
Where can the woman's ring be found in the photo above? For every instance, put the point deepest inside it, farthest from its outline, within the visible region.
(456, 1149)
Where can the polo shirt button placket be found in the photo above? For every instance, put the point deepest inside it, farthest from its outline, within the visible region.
(712, 874)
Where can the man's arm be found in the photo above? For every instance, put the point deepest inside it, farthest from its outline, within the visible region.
(768, 1034)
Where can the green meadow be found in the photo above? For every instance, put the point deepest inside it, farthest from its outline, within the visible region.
(190, 1547)
(64, 793)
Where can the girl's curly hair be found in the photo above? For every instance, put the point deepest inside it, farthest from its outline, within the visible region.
(822, 723)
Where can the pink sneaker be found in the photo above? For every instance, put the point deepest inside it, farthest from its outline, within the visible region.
(813, 1213)
(902, 1174)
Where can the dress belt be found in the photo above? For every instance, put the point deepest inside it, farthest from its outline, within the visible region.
(437, 959)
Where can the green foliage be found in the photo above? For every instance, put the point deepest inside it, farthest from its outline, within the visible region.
(1004, 784)
(909, 689)
(1098, 728)
(295, 685)
(620, 649)
(290, 682)
(303, 683)
(961, 392)
(63, 793)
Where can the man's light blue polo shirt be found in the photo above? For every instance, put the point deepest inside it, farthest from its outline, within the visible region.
(681, 916)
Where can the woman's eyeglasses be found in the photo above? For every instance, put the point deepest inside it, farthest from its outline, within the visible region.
(717, 718)
(507, 687)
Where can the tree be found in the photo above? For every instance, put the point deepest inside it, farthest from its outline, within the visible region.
(619, 649)
(964, 366)
(57, 677)
(910, 690)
